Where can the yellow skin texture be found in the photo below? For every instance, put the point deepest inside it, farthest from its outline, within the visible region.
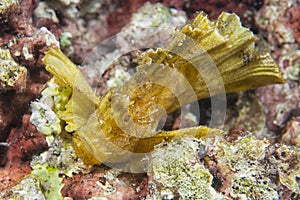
(124, 118)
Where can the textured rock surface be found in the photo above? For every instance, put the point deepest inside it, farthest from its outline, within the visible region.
(215, 169)
(276, 21)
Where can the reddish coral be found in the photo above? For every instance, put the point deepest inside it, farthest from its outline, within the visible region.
(286, 193)
(18, 22)
(22, 143)
(222, 176)
(291, 133)
(235, 132)
(6, 118)
(19, 17)
(279, 101)
(36, 46)
(84, 186)
(13, 173)
(14, 105)
(121, 16)
(293, 18)
(277, 28)
(49, 24)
